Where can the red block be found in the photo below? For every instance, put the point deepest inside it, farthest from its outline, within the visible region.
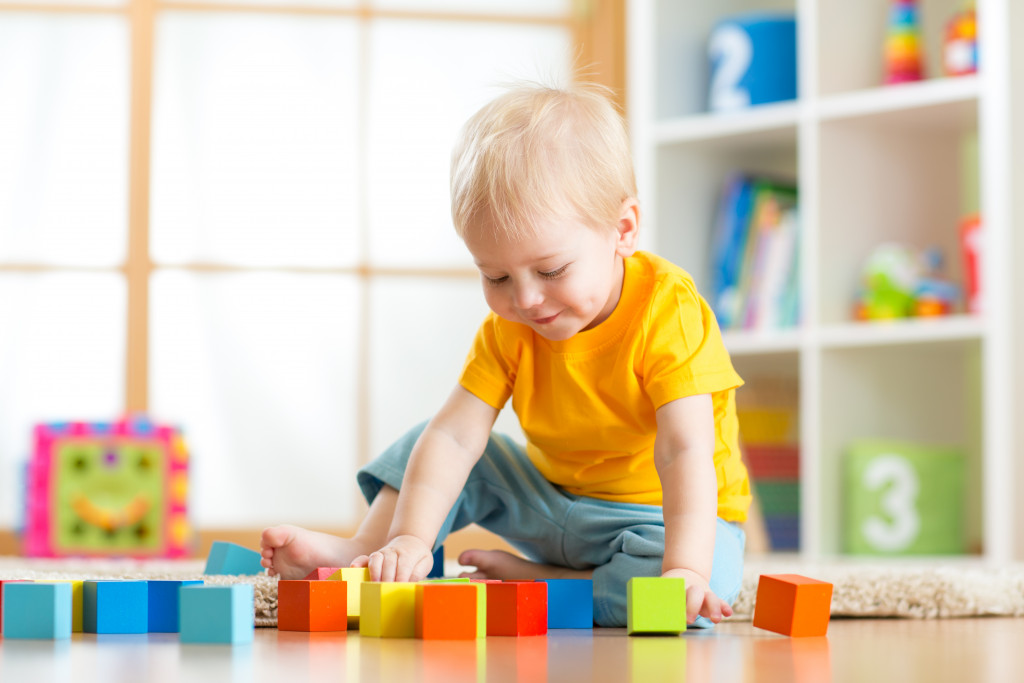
(517, 608)
(320, 574)
(312, 606)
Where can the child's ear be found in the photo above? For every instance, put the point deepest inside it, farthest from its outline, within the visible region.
(628, 227)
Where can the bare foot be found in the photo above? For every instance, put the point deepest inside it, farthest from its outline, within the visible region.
(502, 565)
(292, 552)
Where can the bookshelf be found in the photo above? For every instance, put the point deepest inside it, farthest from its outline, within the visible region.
(873, 163)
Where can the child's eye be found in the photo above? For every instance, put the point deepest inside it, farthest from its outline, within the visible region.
(495, 280)
(552, 274)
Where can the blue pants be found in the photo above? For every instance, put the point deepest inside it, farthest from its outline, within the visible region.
(506, 494)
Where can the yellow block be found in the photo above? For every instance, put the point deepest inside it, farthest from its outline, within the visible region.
(76, 601)
(354, 576)
(388, 610)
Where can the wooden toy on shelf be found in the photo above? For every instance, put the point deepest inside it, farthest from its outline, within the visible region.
(40, 611)
(753, 61)
(903, 53)
(312, 606)
(792, 605)
(655, 604)
(217, 614)
(960, 49)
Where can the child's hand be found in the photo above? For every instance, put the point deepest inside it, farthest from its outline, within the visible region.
(699, 598)
(405, 558)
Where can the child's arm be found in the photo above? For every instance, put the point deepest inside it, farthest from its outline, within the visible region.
(439, 465)
(684, 457)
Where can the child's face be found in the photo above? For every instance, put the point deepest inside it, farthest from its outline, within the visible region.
(566, 279)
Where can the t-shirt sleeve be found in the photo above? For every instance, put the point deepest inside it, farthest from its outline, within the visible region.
(684, 354)
(490, 368)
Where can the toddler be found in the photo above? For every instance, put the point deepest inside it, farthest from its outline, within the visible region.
(616, 370)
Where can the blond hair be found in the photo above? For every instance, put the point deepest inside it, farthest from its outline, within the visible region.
(537, 153)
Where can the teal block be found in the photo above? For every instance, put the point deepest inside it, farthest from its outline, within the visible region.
(115, 607)
(903, 498)
(655, 605)
(217, 614)
(37, 610)
(164, 605)
(231, 558)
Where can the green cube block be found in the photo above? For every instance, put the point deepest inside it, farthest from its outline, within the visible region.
(903, 499)
(655, 605)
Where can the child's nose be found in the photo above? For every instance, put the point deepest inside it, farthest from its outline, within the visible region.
(527, 295)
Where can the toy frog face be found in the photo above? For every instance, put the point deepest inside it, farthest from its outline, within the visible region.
(108, 494)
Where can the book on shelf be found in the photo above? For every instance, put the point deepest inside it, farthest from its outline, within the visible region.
(755, 259)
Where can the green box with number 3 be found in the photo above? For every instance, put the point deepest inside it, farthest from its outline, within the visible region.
(903, 498)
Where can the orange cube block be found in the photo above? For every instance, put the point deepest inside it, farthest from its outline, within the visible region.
(793, 605)
(447, 611)
(312, 606)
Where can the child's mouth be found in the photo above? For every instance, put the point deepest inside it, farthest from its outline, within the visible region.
(544, 321)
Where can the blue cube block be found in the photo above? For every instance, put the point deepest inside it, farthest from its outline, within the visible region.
(570, 603)
(37, 610)
(437, 571)
(115, 607)
(231, 558)
(753, 61)
(217, 614)
(163, 605)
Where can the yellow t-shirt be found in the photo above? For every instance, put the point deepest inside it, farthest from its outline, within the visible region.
(587, 404)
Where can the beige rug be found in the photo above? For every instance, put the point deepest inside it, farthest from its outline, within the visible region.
(921, 590)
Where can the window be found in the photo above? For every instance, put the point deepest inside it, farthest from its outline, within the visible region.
(235, 216)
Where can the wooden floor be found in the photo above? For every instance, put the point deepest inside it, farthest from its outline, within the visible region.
(968, 650)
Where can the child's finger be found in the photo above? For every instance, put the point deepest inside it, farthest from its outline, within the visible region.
(376, 560)
(694, 601)
(361, 561)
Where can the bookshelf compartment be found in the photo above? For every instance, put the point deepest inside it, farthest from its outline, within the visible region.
(851, 42)
(686, 213)
(922, 393)
(890, 182)
(681, 50)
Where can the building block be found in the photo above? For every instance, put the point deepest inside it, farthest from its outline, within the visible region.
(165, 604)
(753, 60)
(6, 581)
(76, 601)
(353, 578)
(217, 614)
(570, 603)
(231, 558)
(792, 605)
(115, 607)
(449, 611)
(655, 604)
(321, 574)
(312, 606)
(36, 610)
(437, 571)
(517, 608)
(387, 610)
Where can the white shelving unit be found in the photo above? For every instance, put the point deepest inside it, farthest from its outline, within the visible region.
(874, 163)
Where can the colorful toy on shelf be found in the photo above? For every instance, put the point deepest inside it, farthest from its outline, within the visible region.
(960, 50)
(107, 488)
(970, 246)
(903, 498)
(753, 61)
(903, 54)
(900, 282)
